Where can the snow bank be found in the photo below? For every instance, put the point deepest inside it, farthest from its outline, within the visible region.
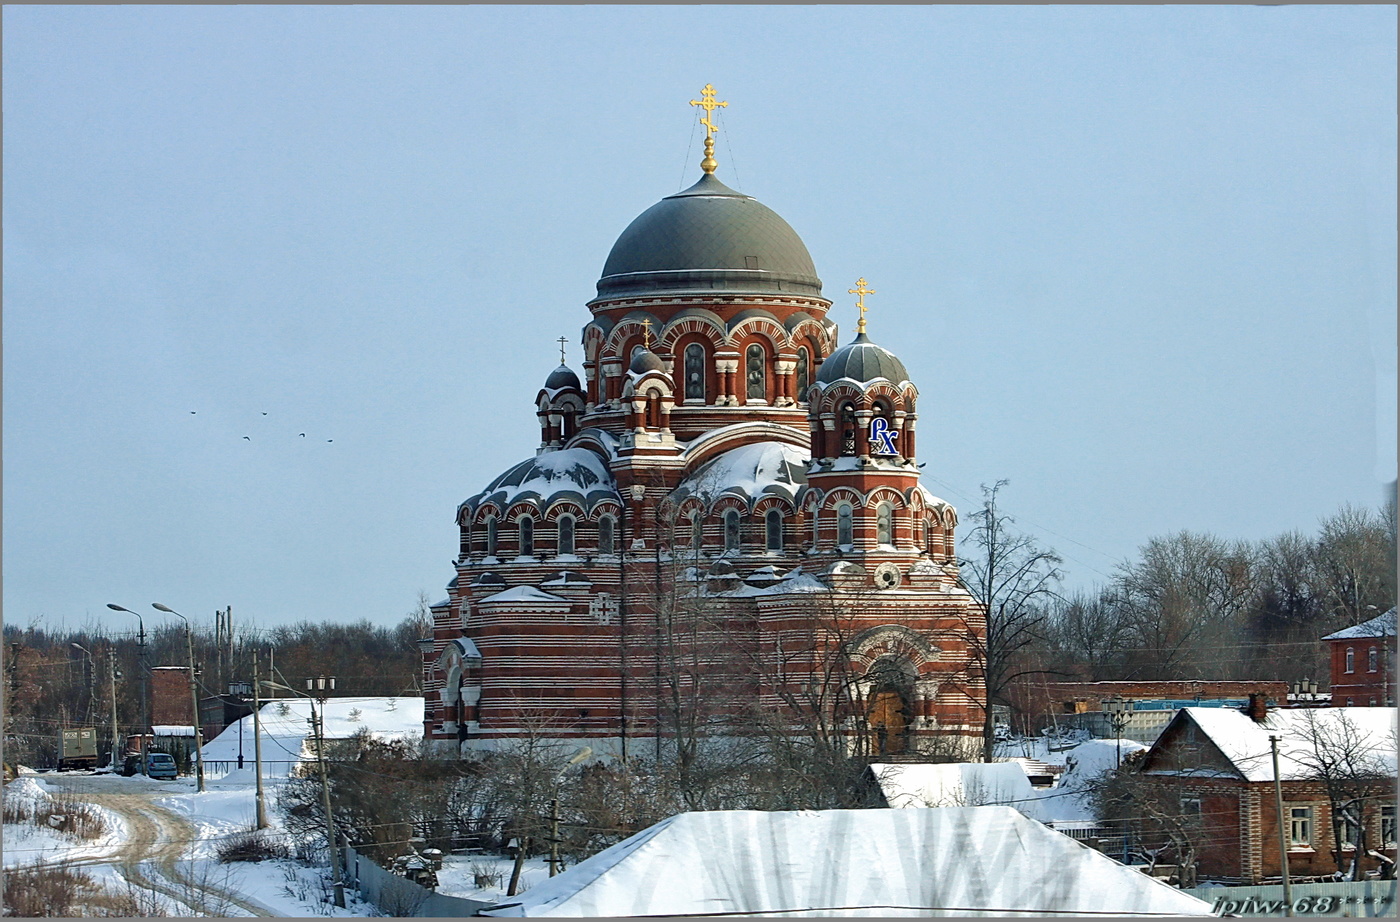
(284, 733)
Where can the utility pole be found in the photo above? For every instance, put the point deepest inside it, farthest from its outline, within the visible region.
(553, 836)
(112, 677)
(144, 670)
(331, 841)
(1282, 838)
(257, 746)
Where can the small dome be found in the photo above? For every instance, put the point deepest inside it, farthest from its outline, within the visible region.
(863, 361)
(571, 473)
(645, 360)
(563, 376)
(708, 238)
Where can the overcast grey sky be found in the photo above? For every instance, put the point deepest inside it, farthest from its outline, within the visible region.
(1140, 261)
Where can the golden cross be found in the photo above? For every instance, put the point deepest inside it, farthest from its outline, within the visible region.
(860, 291)
(562, 340)
(707, 102)
(646, 326)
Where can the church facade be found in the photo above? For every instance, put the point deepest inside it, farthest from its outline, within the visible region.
(723, 530)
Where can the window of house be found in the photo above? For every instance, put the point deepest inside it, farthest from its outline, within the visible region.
(1373, 659)
(1190, 808)
(527, 537)
(1300, 827)
(491, 536)
(695, 372)
(773, 530)
(1351, 660)
(756, 372)
(605, 535)
(731, 530)
(884, 524)
(843, 525)
(566, 534)
(804, 372)
(1388, 825)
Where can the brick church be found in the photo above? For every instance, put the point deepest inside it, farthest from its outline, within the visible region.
(723, 530)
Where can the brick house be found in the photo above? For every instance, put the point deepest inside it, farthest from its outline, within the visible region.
(1214, 767)
(1363, 663)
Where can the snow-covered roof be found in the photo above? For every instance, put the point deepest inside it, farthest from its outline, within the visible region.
(952, 784)
(172, 730)
(522, 594)
(949, 861)
(283, 734)
(749, 472)
(1379, 626)
(1070, 799)
(1245, 742)
(577, 474)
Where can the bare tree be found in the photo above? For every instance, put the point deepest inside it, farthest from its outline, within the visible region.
(1353, 767)
(1015, 581)
(1149, 815)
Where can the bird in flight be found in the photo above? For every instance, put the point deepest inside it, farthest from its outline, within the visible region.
(302, 434)
(246, 439)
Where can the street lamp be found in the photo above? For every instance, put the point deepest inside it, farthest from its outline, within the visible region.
(112, 674)
(321, 685)
(87, 677)
(141, 660)
(1118, 710)
(194, 694)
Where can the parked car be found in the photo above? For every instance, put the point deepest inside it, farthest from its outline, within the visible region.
(159, 765)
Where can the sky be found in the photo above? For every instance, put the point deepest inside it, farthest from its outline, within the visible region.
(1139, 261)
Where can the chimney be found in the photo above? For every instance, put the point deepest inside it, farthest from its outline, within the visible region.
(1258, 707)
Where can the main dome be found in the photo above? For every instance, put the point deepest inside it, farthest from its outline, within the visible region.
(708, 238)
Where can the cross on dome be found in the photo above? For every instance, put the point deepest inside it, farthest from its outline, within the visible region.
(562, 340)
(708, 103)
(860, 291)
(646, 332)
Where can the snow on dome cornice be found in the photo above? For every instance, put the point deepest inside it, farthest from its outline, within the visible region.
(576, 474)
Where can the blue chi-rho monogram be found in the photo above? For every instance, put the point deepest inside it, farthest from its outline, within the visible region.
(882, 436)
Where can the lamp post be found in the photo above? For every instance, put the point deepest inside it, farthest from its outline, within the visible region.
(141, 665)
(87, 677)
(321, 685)
(1117, 710)
(194, 694)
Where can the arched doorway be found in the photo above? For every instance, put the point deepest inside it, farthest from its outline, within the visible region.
(889, 722)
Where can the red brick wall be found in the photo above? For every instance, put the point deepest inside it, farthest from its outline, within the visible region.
(170, 696)
(1362, 686)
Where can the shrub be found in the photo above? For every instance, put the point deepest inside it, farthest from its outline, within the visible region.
(252, 846)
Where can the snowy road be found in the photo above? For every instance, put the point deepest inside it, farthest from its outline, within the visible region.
(159, 841)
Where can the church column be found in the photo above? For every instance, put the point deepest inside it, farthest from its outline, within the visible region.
(556, 429)
(863, 418)
(830, 445)
(612, 382)
(590, 374)
(726, 367)
(900, 442)
(783, 369)
(908, 436)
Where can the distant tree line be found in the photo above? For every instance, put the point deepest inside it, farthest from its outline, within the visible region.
(50, 683)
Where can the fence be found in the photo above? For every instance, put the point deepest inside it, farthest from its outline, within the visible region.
(271, 768)
(399, 896)
(1359, 899)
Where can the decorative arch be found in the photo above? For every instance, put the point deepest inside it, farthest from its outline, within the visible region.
(693, 321)
(757, 323)
(628, 328)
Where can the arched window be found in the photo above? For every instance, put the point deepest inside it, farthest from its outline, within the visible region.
(804, 373)
(527, 537)
(697, 532)
(930, 537)
(466, 543)
(756, 372)
(605, 535)
(653, 410)
(566, 534)
(1351, 660)
(848, 428)
(491, 536)
(773, 530)
(694, 372)
(1372, 660)
(843, 525)
(731, 530)
(884, 524)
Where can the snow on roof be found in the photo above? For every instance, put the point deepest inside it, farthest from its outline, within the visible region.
(1245, 743)
(522, 594)
(576, 472)
(949, 861)
(1070, 800)
(282, 734)
(172, 730)
(1379, 626)
(749, 471)
(952, 784)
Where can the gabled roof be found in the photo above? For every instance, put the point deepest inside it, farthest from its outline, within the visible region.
(948, 861)
(1245, 742)
(523, 594)
(1379, 626)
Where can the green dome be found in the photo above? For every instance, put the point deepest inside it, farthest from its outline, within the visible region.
(863, 361)
(708, 238)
